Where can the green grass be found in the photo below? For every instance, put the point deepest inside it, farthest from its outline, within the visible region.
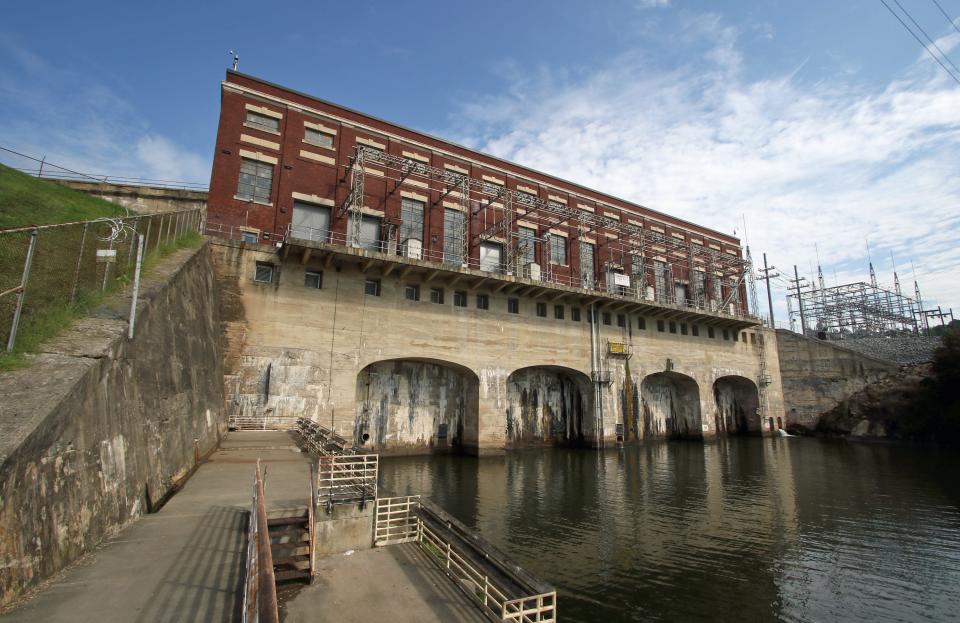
(49, 321)
(26, 200)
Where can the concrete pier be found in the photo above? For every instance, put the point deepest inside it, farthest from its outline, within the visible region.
(186, 562)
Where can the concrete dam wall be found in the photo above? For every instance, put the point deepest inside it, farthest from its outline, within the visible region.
(98, 428)
(817, 375)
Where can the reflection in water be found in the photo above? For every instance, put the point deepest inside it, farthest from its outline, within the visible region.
(735, 530)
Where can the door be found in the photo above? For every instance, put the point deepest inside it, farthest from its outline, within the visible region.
(310, 222)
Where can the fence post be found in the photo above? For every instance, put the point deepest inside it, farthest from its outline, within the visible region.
(169, 226)
(149, 223)
(24, 278)
(106, 269)
(76, 274)
(136, 286)
(448, 555)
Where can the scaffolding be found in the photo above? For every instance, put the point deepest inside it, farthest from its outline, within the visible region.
(697, 275)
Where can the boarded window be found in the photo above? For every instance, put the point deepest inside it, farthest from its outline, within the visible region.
(369, 232)
(491, 254)
(587, 270)
(310, 222)
(312, 279)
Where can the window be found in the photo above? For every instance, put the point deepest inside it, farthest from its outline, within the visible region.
(318, 138)
(695, 329)
(372, 287)
(513, 306)
(753, 338)
(642, 323)
(575, 314)
(621, 320)
(459, 298)
(312, 279)
(710, 333)
(661, 274)
(660, 326)
(558, 312)
(726, 334)
(526, 245)
(744, 336)
(683, 328)
(412, 292)
(483, 301)
(262, 122)
(256, 181)
(736, 336)
(606, 318)
(558, 249)
(263, 273)
(411, 220)
(542, 310)
(452, 236)
(673, 327)
(249, 236)
(436, 295)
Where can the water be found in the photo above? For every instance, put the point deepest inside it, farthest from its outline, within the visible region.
(736, 530)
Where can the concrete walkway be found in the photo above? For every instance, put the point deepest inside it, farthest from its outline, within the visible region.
(186, 562)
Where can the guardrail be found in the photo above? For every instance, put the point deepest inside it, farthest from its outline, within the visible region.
(503, 590)
(345, 474)
(260, 589)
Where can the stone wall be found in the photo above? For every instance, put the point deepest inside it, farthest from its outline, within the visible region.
(902, 350)
(817, 375)
(142, 199)
(98, 428)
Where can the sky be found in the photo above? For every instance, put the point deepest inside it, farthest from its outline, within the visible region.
(810, 129)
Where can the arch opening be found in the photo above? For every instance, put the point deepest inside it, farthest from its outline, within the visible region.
(412, 406)
(738, 404)
(671, 406)
(548, 405)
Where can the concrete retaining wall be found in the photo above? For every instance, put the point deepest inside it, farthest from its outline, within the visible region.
(97, 429)
(142, 199)
(817, 375)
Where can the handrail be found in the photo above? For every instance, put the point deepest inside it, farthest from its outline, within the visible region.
(345, 473)
(260, 594)
(503, 589)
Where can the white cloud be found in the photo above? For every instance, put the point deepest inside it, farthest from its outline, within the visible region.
(78, 123)
(830, 162)
(652, 4)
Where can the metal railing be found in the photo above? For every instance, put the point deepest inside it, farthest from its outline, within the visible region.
(486, 576)
(345, 474)
(43, 168)
(48, 267)
(260, 589)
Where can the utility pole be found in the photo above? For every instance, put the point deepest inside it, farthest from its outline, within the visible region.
(797, 282)
(767, 274)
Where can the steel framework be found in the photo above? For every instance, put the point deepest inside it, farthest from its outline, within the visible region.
(858, 309)
(491, 212)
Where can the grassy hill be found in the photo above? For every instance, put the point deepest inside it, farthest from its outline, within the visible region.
(26, 200)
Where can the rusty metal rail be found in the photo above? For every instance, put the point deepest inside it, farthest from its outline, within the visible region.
(503, 590)
(260, 589)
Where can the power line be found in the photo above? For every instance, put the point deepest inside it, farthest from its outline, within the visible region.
(952, 23)
(934, 43)
(920, 41)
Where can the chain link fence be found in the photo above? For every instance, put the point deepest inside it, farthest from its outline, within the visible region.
(48, 271)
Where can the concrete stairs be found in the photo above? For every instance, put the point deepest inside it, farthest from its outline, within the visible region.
(290, 543)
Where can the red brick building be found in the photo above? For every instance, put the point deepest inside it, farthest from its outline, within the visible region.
(288, 164)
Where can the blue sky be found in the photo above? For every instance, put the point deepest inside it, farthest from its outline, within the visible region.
(816, 122)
